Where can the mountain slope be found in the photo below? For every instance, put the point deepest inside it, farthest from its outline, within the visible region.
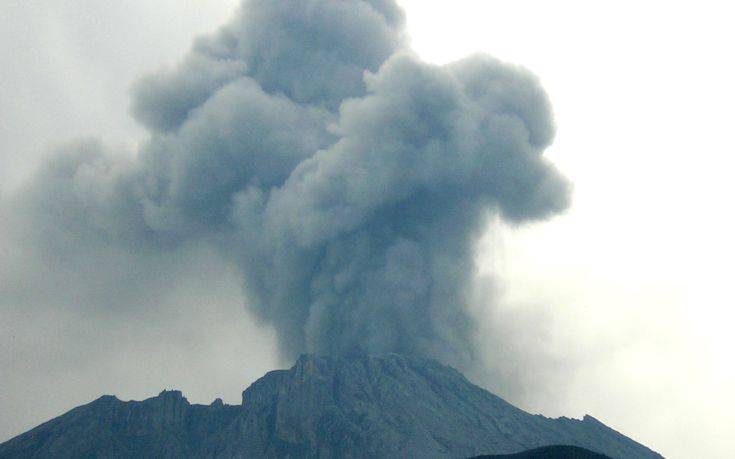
(392, 406)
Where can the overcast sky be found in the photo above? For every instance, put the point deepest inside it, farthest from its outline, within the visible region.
(627, 292)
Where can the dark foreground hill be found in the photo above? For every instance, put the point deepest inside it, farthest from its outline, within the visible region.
(550, 452)
(392, 406)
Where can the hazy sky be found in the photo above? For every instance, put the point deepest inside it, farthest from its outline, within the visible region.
(626, 293)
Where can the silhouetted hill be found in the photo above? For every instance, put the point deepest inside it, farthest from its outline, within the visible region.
(392, 406)
(550, 452)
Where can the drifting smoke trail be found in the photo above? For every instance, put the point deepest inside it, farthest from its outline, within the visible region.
(347, 178)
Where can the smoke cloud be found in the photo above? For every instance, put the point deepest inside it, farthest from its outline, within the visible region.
(347, 180)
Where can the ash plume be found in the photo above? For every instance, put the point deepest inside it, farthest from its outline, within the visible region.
(347, 179)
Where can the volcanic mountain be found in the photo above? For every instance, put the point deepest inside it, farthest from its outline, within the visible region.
(392, 406)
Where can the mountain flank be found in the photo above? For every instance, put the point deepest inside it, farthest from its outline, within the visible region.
(392, 406)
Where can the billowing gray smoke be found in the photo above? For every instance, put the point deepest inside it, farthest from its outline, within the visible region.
(348, 179)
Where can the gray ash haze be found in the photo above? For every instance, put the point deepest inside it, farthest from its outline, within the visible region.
(190, 213)
(347, 180)
(193, 192)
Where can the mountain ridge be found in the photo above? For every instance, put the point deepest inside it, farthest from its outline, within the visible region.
(391, 406)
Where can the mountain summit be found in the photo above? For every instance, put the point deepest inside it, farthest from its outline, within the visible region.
(392, 406)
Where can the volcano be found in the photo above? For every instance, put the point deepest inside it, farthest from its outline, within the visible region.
(391, 406)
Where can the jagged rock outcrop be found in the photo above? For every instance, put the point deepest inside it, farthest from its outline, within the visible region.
(392, 406)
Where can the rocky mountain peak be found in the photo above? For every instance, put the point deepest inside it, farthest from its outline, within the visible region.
(356, 406)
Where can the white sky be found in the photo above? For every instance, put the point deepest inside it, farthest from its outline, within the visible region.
(635, 276)
(634, 280)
